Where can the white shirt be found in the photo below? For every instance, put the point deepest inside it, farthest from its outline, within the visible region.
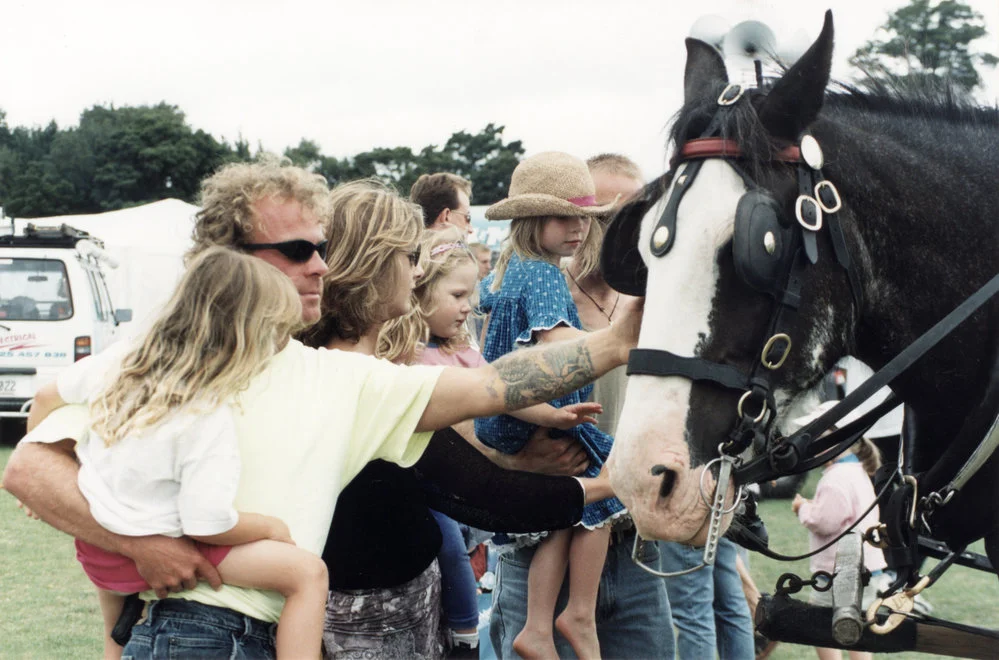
(174, 478)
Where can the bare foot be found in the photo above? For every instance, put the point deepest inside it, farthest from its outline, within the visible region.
(533, 644)
(581, 632)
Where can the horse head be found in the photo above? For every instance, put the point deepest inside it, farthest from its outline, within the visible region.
(734, 334)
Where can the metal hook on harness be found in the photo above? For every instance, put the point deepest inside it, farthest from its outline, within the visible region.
(898, 605)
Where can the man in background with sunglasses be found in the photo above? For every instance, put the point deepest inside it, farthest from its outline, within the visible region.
(308, 423)
(445, 199)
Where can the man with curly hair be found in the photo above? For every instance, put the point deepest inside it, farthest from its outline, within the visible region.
(253, 206)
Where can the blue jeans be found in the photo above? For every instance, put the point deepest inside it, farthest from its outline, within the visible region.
(177, 628)
(458, 588)
(633, 615)
(709, 607)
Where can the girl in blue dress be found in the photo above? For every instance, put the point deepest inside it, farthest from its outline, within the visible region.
(551, 204)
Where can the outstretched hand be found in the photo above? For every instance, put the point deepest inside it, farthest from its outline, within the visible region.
(573, 415)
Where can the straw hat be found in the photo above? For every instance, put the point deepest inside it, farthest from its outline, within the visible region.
(549, 183)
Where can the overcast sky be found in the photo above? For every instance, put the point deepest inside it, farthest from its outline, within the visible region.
(583, 76)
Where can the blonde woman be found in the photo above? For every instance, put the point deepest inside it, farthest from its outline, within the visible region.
(162, 456)
(385, 585)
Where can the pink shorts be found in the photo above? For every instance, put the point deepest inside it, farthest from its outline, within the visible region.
(115, 572)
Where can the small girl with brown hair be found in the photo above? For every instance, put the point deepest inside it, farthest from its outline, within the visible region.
(552, 203)
(162, 455)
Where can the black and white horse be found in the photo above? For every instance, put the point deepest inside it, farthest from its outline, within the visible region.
(736, 259)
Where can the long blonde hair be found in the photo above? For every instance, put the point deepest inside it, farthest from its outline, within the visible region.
(370, 224)
(401, 339)
(525, 242)
(218, 330)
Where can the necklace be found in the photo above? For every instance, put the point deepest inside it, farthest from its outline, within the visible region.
(593, 300)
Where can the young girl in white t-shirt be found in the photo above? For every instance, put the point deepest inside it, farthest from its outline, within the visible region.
(162, 454)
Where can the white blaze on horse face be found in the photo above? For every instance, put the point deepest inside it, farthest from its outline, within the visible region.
(681, 288)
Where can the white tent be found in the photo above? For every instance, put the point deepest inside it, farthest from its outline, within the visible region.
(148, 242)
(490, 232)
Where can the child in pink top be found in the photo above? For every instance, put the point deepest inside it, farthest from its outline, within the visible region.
(435, 333)
(842, 496)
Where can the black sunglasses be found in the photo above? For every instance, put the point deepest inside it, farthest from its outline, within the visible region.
(299, 250)
(414, 256)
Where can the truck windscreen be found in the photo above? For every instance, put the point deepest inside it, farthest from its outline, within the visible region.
(34, 290)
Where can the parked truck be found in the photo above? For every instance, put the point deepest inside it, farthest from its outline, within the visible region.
(55, 308)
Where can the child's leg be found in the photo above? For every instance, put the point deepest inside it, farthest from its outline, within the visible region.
(296, 574)
(544, 580)
(111, 604)
(578, 622)
(458, 590)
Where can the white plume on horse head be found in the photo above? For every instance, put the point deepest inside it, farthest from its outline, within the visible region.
(711, 29)
(744, 45)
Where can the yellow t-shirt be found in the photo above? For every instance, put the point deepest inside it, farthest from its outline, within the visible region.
(306, 426)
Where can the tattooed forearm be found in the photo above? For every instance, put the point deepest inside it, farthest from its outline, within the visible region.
(527, 378)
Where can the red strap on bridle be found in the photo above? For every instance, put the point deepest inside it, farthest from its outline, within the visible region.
(716, 147)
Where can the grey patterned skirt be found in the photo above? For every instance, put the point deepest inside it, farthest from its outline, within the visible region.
(397, 622)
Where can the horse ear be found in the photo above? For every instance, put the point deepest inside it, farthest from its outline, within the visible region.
(705, 70)
(795, 100)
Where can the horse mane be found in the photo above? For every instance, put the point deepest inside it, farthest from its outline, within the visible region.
(923, 98)
(920, 99)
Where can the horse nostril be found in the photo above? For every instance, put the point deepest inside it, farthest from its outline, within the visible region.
(669, 479)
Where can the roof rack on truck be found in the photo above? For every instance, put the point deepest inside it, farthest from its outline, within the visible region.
(48, 236)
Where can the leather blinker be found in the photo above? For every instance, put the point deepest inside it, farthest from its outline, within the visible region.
(761, 243)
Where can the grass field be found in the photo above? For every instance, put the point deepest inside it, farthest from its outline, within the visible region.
(48, 608)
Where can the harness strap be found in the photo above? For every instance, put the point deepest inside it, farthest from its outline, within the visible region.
(684, 178)
(652, 362)
(843, 257)
(898, 365)
(978, 458)
(806, 452)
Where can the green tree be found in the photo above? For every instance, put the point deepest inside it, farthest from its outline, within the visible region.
(481, 157)
(30, 184)
(147, 153)
(927, 39)
(307, 154)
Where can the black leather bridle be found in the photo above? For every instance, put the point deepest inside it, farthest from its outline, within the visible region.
(771, 254)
